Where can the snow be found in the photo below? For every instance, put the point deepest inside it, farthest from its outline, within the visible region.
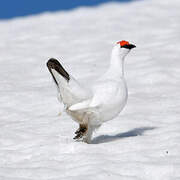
(142, 143)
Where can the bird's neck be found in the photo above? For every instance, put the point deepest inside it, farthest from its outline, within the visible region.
(116, 68)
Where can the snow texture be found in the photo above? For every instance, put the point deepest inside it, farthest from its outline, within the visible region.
(142, 143)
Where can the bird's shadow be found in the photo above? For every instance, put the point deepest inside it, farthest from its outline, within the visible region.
(134, 132)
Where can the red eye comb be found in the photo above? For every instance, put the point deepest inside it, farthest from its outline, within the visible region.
(123, 43)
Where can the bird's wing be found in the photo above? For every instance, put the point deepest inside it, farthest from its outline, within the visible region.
(69, 89)
(81, 106)
(106, 93)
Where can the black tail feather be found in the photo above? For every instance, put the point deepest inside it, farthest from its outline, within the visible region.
(54, 64)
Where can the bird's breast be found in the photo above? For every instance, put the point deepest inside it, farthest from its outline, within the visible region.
(113, 103)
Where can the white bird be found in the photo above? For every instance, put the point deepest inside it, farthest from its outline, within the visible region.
(104, 102)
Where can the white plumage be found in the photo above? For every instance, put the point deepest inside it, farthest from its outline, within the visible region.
(106, 99)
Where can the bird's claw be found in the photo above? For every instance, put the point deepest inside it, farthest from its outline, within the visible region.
(80, 133)
(78, 136)
(81, 130)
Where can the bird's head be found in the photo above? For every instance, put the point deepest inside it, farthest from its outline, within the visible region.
(122, 48)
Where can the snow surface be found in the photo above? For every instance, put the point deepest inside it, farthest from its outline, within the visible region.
(142, 143)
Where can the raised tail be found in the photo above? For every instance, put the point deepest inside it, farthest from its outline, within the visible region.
(69, 89)
(54, 64)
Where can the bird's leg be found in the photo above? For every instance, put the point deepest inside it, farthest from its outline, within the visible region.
(81, 131)
(82, 127)
(88, 135)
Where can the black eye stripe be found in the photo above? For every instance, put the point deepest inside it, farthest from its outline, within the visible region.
(125, 46)
(128, 46)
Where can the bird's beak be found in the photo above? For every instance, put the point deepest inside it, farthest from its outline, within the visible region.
(131, 46)
(128, 46)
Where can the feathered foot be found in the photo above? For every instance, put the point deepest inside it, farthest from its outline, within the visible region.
(81, 131)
